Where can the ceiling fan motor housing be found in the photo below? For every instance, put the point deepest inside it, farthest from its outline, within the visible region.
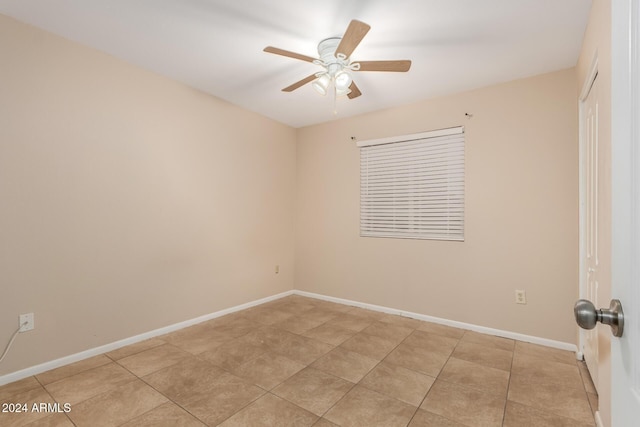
(327, 52)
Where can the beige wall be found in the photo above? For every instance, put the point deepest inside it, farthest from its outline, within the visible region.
(521, 212)
(597, 43)
(128, 201)
(131, 202)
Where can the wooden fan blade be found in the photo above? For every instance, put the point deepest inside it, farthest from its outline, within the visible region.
(352, 37)
(302, 82)
(275, 50)
(399, 66)
(355, 92)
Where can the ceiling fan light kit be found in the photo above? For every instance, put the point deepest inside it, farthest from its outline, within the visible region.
(342, 80)
(334, 56)
(321, 84)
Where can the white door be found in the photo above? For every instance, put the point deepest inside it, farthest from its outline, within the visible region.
(625, 124)
(591, 158)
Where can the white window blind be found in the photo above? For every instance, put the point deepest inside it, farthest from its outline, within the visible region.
(413, 186)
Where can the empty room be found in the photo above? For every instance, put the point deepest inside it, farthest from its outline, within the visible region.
(339, 213)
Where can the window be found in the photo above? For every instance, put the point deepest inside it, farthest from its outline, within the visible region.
(412, 186)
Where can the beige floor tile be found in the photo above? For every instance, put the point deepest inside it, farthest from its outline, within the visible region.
(154, 359)
(116, 406)
(398, 382)
(472, 375)
(55, 420)
(228, 396)
(271, 411)
(388, 331)
(269, 336)
(483, 355)
(370, 345)
(488, 340)
(330, 334)
(546, 353)
(266, 315)
(401, 321)
(467, 406)
(437, 343)
(365, 313)
(444, 330)
(295, 308)
(350, 321)
(206, 391)
(517, 415)
(188, 380)
(197, 339)
(313, 390)
(134, 348)
(418, 359)
(166, 415)
(268, 370)
(553, 397)
(234, 327)
(234, 353)
(18, 387)
(302, 349)
(535, 370)
(25, 414)
(321, 315)
(364, 407)
(72, 369)
(298, 324)
(345, 364)
(322, 422)
(87, 384)
(424, 418)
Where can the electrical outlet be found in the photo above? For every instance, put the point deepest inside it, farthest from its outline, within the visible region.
(521, 297)
(277, 269)
(27, 322)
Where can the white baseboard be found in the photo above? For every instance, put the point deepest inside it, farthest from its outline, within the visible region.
(34, 370)
(468, 326)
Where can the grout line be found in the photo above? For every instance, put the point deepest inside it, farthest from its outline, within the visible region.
(144, 413)
(171, 400)
(55, 400)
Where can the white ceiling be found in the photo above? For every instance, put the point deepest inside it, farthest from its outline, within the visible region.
(216, 45)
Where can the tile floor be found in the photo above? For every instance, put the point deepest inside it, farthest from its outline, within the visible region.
(304, 362)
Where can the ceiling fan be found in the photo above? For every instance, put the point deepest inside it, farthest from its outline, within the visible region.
(335, 58)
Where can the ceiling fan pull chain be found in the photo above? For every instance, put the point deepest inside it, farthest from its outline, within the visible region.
(335, 100)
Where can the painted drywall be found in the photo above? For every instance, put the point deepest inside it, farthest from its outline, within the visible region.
(597, 46)
(129, 201)
(521, 212)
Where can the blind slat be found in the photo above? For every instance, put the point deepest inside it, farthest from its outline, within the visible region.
(413, 189)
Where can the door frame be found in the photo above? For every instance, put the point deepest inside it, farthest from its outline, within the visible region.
(582, 142)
